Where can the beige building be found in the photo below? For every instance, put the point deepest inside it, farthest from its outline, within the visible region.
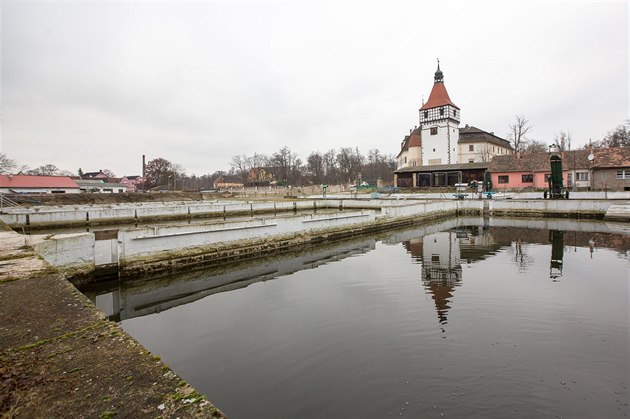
(476, 145)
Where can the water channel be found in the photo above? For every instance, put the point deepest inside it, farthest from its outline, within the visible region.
(463, 318)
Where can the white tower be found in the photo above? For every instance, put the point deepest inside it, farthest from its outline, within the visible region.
(439, 121)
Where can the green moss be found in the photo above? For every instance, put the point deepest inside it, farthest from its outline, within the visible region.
(108, 414)
(56, 338)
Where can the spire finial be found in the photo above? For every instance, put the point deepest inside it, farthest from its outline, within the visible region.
(439, 76)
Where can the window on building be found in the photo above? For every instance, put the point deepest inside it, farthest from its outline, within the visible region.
(405, 159)
(528, 178)
(547, 176)
(471, 160)
(504, 179)
(434, 131)
(581, 176)
(471, 147)
(434, 150)
(426, 114)
(442, 111)
(454, 112)
(623, 174)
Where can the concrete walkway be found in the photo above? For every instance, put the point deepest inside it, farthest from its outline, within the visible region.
(60, 356)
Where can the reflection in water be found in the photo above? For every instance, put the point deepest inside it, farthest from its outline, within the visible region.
(557, 253)
(133, 298)
(440, 249)
(350, 330)
(441, 255)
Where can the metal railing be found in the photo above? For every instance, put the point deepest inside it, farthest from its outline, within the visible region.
(6, 202)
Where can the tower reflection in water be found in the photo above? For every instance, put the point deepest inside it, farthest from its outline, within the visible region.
(441, 255)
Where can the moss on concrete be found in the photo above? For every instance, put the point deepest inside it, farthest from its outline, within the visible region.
(60, 357)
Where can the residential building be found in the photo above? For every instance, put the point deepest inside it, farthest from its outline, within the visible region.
(592, 169)
(227, 182)
(133, 183)
(92, 175)
(27, 184)
(259, 176)
(476, 145)
(99, 185)
(610, 169)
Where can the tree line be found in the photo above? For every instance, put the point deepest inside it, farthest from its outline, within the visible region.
(284, 167)
(521, 142)
(344, 165)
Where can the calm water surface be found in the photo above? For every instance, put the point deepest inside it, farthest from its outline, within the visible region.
(469, 318)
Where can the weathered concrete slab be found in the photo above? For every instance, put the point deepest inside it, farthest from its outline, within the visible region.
(59, 357)
(618, 212)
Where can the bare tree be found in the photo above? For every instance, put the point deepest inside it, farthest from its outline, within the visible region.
(7, 165)
(46, 170)
(619, 137)
(241, 165)
(350, 163)
(534, 146)
(315, 166)
(518, 132)
(563, 140)
(158, 172)
(331, 171)
(108, 173)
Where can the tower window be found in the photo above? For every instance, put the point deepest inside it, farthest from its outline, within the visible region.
(471, 147)
(442, 111)
(434, 131)
(454, 112)
(426, 114)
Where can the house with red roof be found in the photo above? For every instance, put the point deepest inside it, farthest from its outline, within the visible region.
(610, 169)
(26, 184)
(133, 183)
(592, 169)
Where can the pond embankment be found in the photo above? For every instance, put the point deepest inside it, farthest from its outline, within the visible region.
(239, 230)
(60, 356)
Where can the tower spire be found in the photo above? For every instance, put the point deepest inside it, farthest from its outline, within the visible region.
(439, 76)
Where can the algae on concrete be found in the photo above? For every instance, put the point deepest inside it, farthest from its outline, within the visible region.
(60, 357)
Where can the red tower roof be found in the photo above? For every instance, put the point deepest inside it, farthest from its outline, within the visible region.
(439, 95)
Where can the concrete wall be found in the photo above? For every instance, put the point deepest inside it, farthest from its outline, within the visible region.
(148, 240)
(607, 179)
(82, 214)
(560, 206)
(67, 250)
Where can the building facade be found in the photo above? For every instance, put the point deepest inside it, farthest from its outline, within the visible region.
(589, 169)
(478, 146)
(439, 145)
(28, 184)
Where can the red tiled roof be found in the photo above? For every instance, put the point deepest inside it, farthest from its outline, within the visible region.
(537, 162)
(438, 97)
(25, 181)
(612, 157)
(415, 140)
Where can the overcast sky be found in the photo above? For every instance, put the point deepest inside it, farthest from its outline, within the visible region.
(96, 85)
